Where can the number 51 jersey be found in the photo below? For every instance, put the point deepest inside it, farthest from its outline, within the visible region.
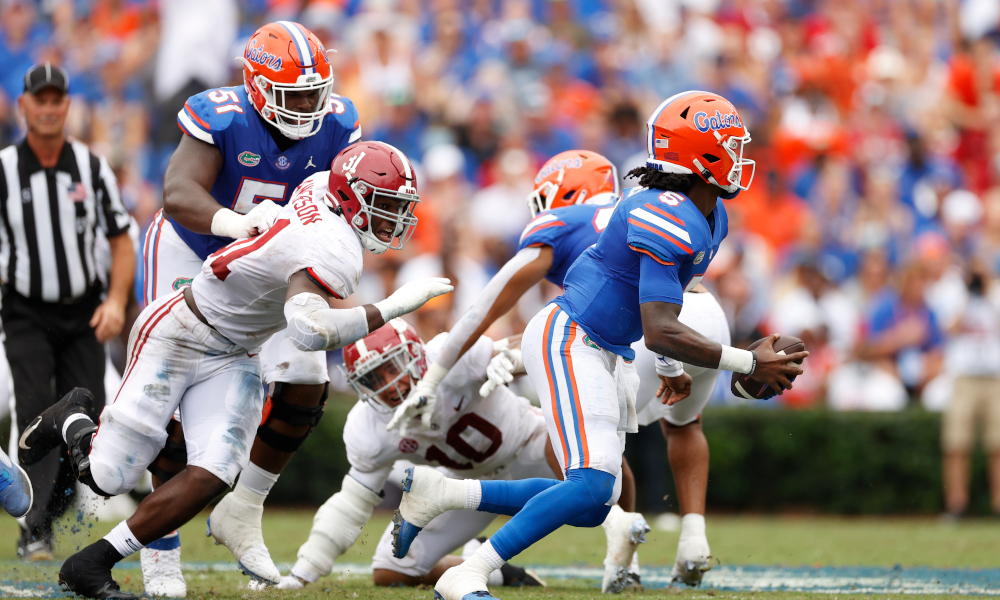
(254, 168)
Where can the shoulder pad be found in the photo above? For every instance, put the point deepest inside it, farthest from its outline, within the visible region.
(211, 112)
(344, 114)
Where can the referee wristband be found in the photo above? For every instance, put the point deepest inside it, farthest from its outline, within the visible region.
(737, 361)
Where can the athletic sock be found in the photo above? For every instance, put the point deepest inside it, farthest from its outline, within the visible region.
(255, 484)
(473, 494)
(495, 579)
(123, 540)
(171, 541)
(509, 497)
(486, 559)
(581, 501)
(634, 567)
(692, 526)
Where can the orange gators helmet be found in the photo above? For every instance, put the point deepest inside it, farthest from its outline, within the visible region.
(288, 78)
(572, 177)
(700, 133)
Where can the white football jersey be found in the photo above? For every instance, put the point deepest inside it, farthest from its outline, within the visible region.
(241, 287)
(471, 436)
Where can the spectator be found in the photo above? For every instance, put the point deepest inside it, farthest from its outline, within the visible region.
(973, 359)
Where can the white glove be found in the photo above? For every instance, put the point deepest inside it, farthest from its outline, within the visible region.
(501, 370)
(227, 223)
(421, 401)
(412, 296)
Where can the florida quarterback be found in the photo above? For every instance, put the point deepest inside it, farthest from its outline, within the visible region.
(657, 244)
(244, 150)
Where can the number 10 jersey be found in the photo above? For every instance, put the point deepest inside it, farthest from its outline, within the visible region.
(254, 168)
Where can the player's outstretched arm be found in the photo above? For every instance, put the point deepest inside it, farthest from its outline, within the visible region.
(190, 176)
(666, 335)
(313, 325)
(524, 270)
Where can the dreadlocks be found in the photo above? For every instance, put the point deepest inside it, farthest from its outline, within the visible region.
(651, 178)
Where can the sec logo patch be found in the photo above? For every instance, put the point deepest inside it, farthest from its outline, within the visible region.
(408, 446)
(282, 162)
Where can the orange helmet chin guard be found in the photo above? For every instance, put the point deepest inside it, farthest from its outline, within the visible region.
(284, 57)
(686, 132)
(572, 177)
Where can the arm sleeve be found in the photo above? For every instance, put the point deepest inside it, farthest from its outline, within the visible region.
(113, 219)
(476, 315)
(312, 325)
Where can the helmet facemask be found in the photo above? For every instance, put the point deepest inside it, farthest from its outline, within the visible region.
(403, 217)
(292, 124)
(540, 199)
(376, 374)
(731, 144)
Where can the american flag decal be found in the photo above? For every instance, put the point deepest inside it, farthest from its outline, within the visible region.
(663, 142)
(76, 192)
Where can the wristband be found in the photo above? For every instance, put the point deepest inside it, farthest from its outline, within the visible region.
(668, 367)
(737, 361)
(226, 223)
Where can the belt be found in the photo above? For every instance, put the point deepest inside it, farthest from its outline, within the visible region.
(189, 300)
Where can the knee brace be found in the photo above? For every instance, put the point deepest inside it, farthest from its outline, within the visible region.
(173, 452)
(277, 408)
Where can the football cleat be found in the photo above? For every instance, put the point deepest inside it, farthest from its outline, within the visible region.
(461, 583)
(235, 524)
(45, 432)
(693, 560)
(424, 494)
(161, 573)
(291, 582)
(36, 551)
(624, 531)
(88, 573)
(15, 488)
(515, 576)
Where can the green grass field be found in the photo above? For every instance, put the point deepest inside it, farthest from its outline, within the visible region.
(767, 541)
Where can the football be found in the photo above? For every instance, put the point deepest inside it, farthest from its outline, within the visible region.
(745, 387)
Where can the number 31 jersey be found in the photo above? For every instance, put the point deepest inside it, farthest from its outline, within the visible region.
(472, 436)
(254, 168)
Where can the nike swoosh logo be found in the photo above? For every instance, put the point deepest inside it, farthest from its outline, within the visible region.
(460, 402)
(33, 426)
(252, 355)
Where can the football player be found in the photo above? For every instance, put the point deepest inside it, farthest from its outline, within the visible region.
(573, 199)
(499, 436)
(658, 242)
(244, 150)
(196, 350)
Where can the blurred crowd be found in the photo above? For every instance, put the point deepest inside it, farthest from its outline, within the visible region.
(871, 231)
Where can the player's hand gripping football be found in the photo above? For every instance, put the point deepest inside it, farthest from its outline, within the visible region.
(776, 370)
(679, 388)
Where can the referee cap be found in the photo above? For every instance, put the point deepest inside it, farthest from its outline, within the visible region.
(46, 75)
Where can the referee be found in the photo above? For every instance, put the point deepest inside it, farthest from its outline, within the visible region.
(54, 197)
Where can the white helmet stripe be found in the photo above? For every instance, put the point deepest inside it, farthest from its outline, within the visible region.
(301, 45)
(650, 150)
(362, 347)
(402, 157)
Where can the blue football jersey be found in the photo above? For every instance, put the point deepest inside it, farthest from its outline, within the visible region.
(656, 246)
(254, 169)
(569, 230)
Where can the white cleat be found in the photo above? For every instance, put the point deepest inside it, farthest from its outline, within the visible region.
(460, 583)
(161, 573)
(693, 559)
(625, 531)
(426, 494)
(291, 582)
(235, 524)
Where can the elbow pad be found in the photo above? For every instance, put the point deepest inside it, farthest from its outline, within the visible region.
(313, 325)
(336, 527)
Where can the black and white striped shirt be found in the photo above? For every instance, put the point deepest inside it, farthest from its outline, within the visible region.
(48, 219)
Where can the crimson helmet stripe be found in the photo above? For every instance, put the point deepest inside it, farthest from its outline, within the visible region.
(301, 45)
(406, 163)
(650, 149)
